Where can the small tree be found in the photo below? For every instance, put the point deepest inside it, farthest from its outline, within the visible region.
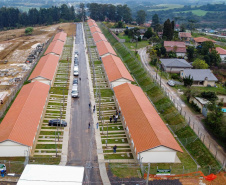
(148, 33)
(29, 30)
(188, 81)
(190, 53)
(163, 50)
(211, 96)
(200, 64)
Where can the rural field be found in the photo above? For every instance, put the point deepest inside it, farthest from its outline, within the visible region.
(160, 7)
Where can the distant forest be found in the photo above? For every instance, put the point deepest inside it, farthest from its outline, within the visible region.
(12, 17)
(214, 14)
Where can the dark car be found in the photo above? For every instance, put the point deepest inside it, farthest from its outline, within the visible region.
(55, 122)
(75, 81)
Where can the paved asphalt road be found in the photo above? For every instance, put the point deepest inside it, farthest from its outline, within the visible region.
(82, 145)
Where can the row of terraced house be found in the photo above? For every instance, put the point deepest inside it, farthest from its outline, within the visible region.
(20, 126)
(150, 138)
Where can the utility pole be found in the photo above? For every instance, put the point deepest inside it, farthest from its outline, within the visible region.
(148, 174)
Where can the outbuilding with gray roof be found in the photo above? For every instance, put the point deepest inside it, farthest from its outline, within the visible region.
(174, 65)
(202, 77)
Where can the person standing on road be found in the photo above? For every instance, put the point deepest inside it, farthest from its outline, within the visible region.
(97, 125)
(110, 119)
(89, 105)
(89, 125)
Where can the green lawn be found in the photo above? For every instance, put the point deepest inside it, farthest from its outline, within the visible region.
(124, 170)
(218, 90)
(134, 46)
(160, 7)
(197, 12)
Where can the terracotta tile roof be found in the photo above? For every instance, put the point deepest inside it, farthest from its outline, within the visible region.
(55, 47)
(176, 49)
(95, 29)
(46, 67)
(92, 23)
(203, 39)
(105, 48)
(145, 125)
(221, 51)
(185, 34)
(99, 37)
(60, 36)
(115, 69)
(174, 43)
(21, 121)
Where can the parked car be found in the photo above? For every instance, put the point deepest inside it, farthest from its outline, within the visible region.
(57, 122)
(76, 62)
(76, 56)
(74, 91)
(75, 81)
(76, 52)
(76, 71)
(171, 83)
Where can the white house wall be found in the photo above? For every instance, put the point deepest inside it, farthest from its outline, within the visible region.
(223, 58)
(159, 154)
(12, 149)
(174, 69)
(180, 54)
(119, 82)
(43, 80)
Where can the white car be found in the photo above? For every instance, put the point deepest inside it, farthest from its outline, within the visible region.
(74, 91)
(76, 71)
(171, 83)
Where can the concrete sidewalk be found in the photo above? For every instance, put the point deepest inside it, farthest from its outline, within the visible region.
(64, 152)
(100, 156)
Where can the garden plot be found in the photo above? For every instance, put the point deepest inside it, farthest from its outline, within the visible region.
(50, 138)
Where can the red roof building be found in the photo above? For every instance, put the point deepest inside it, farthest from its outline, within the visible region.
(200, 40)
(19, 127)
(55, 47)
(45, 70)
(150, 137)
(95, 29)
(60, 36)
(99, 37)
(104, 48)
(116, 71)
(91, 23)
(178, 47)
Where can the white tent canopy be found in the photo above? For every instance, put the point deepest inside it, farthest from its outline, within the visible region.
(51, 175)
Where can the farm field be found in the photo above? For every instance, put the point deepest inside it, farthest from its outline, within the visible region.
(165, 7)
(197, 12)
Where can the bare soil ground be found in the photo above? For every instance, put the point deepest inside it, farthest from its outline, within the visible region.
(15, 47)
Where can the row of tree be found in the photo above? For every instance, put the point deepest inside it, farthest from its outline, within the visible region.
(101, 12)
(12, 17)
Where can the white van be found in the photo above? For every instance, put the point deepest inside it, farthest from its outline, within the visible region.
(74, 91)
(76, 71)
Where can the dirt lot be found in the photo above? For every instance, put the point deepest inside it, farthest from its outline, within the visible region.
(15, 47)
